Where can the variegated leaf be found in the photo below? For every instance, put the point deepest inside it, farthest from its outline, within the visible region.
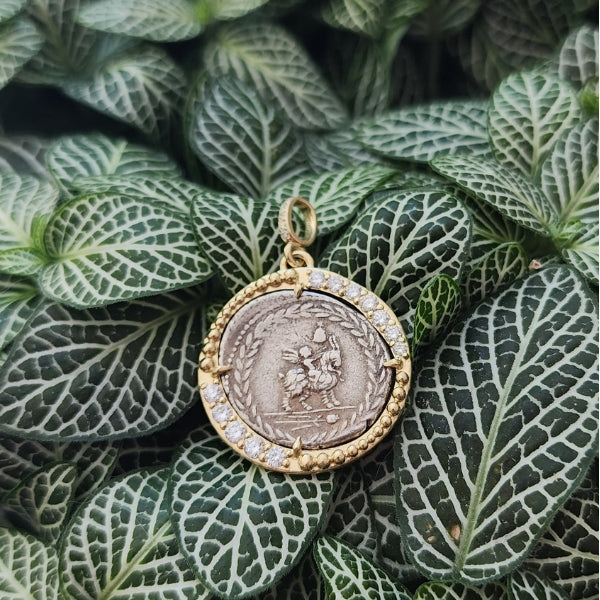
(504, 424)
(9, 8)
(242, 139)
(44, 499)
(230, 9)
(28, 568)
(107, 248)
(528, 113)
(420, 133)
(24, 154)
(95, 155)
(269, 59)
(19, 41)
(22, 458)
(527, 585)
(174, 192)
(568, 552)
(497, 269)
(398, 244)
(143, 88)
(349, 575)
(577, 60)
(582, 252)
(121, 544)
(302, 583)
(159, 21)
(505, 189)
(438, 305)
(335, 196)
(569, 175)
(125, 370)
(444, 17)
(68, 48)
(18, 301)
(459, 591)
(241, 527)
(240, 237)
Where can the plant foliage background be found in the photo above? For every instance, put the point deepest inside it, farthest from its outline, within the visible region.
(450, 150)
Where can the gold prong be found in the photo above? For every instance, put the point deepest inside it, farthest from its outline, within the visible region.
(297, 446)
(395, 363)
(298, 289)
(221, 370)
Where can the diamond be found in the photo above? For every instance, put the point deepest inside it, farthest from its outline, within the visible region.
(235, 431)
(392, 333)
(369, 302)
(275, 456)
(381, 318)
(335, 283)
(221, 413)
(353, 291)
(212, 392)
(400, 349)
(254, 447)
(317, 279)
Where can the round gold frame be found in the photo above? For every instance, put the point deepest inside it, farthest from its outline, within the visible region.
(240, 436)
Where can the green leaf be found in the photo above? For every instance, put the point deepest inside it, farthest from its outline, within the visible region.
(577, 60)
(398, 244)
(458, 591)
(228, 9)
(528, 113)
(569, 175)
(302, 583)
(335, 196)
(121, 544)
(106, 248)
(19, 41)
(44, 498)
(18, 301)
(269, 59)
(350, 575)
(22, 458)
(568, 552)
(143, 88)
(9, 8)
(438, 305)
(582, 252)
(498, 268)
(444, 17)
(526, 585)
(240, 526)
(28, 568)
(78, 157)
(162, 21)
(421, 132)
(242, 139)
(504, 425)
(24, 154)
(504, 188)
(121, 371)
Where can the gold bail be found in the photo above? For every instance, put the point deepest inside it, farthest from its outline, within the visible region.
(294, 254)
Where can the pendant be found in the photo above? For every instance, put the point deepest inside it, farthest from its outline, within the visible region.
(304, 370)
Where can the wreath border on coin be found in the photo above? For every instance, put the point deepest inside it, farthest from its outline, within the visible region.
(254, 446)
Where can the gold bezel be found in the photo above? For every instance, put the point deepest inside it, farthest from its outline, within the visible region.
(295, 459)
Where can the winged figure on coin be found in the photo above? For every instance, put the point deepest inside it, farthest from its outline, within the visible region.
(314, 372)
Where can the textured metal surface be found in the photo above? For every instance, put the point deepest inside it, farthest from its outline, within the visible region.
(308, 367)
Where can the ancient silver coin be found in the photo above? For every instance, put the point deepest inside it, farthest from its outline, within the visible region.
(308, 367)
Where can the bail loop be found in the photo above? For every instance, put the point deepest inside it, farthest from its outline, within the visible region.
(286, 226)
(295, 257)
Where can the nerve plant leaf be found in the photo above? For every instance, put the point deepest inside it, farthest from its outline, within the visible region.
(419, 133)
(242, 139)
(268, 58)
(349, 574)
(156, 20)
(241, 527)
(527, 585)
(121, 544)
(44, 499)
(107, 248)
(503, 427)
(528, 113)
(105, 373)
(19, 41)
(398, 244)
(28, 567)
(24, 154)
(19, 298)
(577, 60)
(94, 155)
(9, 8)
(582, 252)
(303, 582)
(335, 196)
(458, 591)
